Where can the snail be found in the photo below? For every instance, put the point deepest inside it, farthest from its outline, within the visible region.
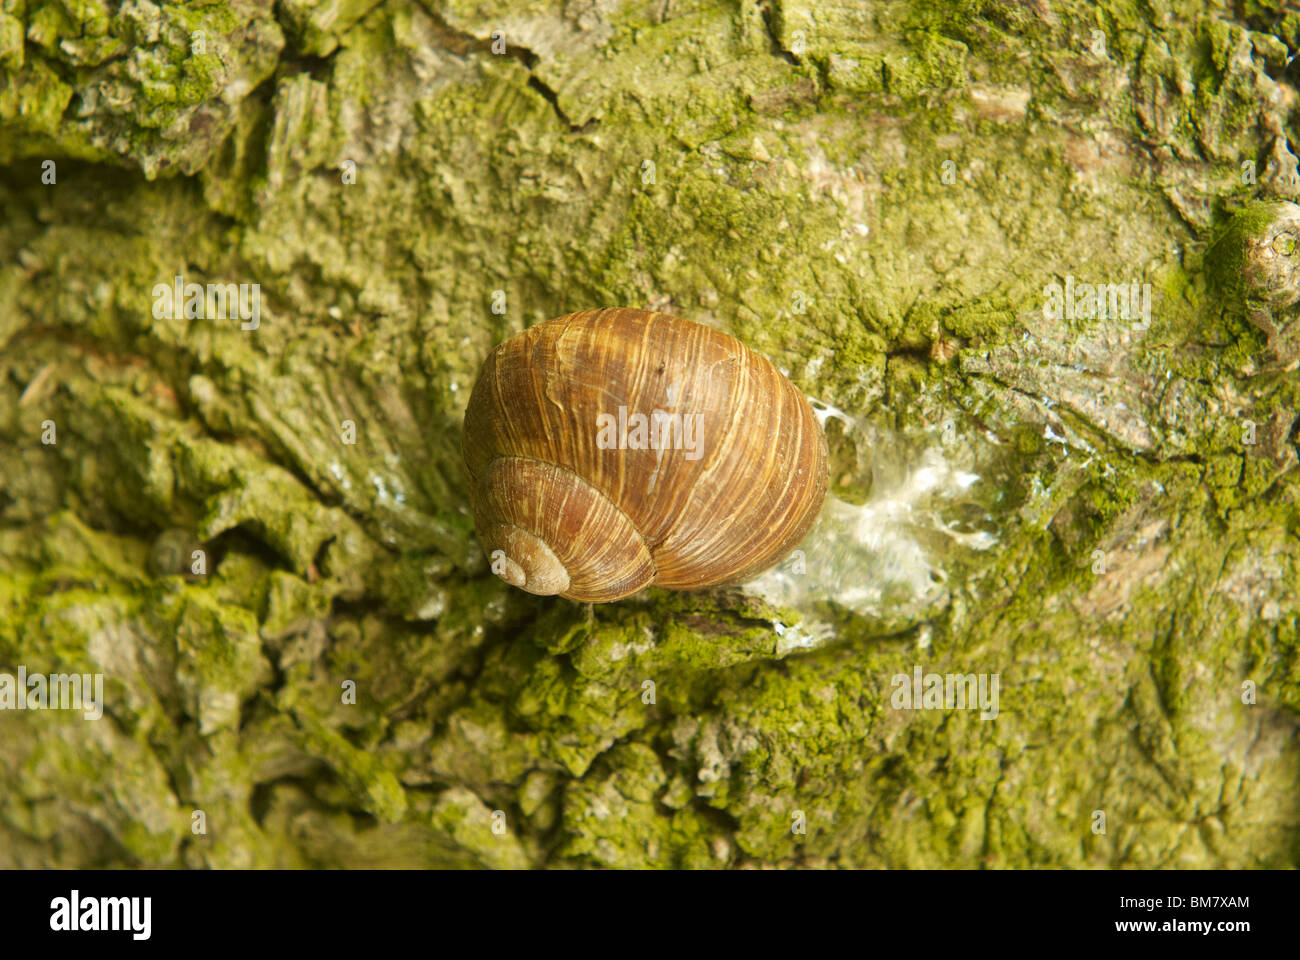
(609, 450)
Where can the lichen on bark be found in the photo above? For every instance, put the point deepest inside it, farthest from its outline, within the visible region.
(876, 196)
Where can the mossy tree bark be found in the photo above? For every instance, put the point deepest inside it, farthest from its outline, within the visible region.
(878, 196)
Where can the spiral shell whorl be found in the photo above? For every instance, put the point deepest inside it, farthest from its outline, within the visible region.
(527, 561)
(558, 534)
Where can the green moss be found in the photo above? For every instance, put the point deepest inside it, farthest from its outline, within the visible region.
(475, 828)
(611, 819)
(879, 213)
(145, 78)
(11, 42)
(33, 99)
(1227, 259)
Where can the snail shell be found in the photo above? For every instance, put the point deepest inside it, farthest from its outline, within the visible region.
(609, 450)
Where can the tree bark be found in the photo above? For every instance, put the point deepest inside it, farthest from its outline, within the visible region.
(254, 525)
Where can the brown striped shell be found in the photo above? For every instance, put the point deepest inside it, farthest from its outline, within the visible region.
(720, 476)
